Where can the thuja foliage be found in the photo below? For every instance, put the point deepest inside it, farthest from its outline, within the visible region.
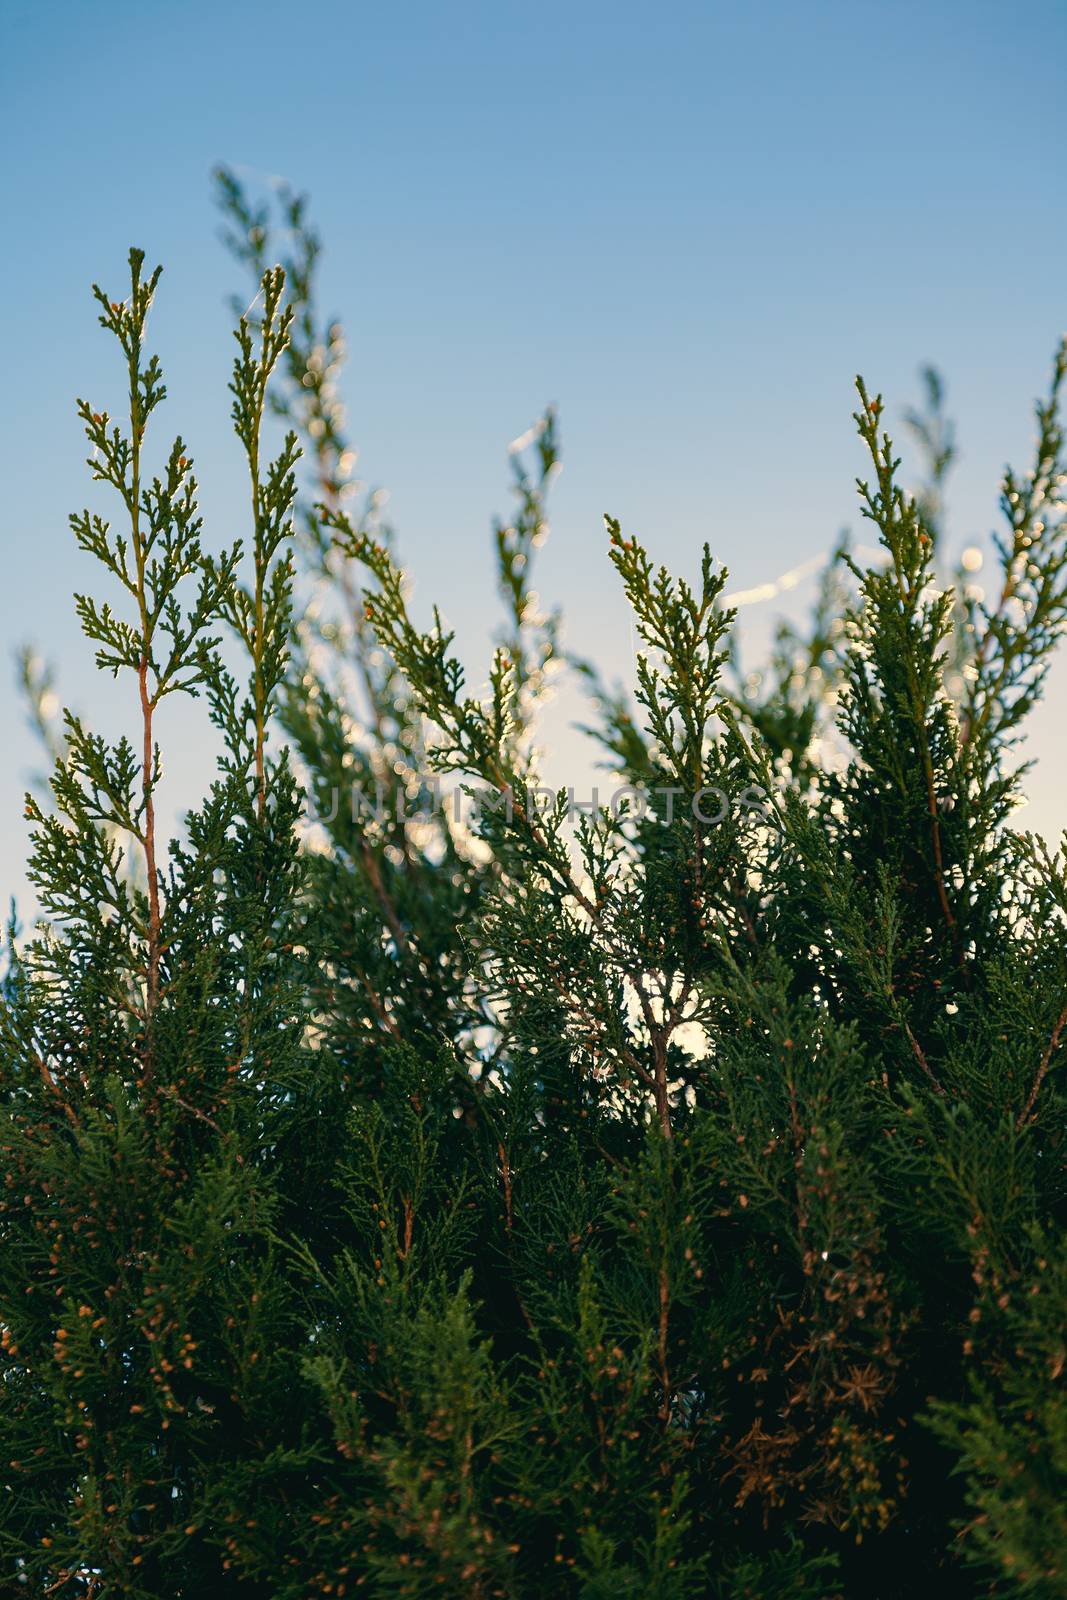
(664, 1201)
(150, 1032)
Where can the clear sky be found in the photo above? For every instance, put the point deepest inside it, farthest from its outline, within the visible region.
(688, 225)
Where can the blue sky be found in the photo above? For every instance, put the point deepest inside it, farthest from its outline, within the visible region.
(687, 225)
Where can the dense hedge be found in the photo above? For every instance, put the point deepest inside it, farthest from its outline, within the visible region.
(508, 1200)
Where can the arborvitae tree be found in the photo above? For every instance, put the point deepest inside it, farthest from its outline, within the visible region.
(744, 1285)
(395, 878)
(148, 1034)
(662, 1200)
(791, 698)
(766, 1115)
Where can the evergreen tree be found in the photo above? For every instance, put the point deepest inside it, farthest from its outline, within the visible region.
(147, 1036)
(665, 1199)
(763, 1103)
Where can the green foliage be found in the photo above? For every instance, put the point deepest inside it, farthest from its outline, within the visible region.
(656, 1198)
(1011, 1433)
(146, 1033)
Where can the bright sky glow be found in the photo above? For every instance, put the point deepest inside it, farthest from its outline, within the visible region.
(686, 225)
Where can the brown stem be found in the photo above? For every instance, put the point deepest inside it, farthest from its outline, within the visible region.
(53, 1086)
(920, 1057)
(257, 638)
(148, 833)
(201, 1116)
(505, 1172)
(149, 841)
(409, 1228)
(509, 1221)
(659, 1057)
(664, 1323)
(261, 775)
(389, 910)
(797, 1134)
(1042, 1070)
